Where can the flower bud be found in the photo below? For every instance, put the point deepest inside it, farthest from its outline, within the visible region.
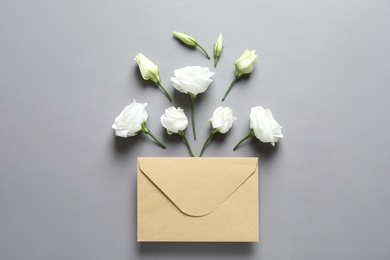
(218, 49)
(244, 65)
(246, 62)
(148, 69)
(185, 38)
(190, 41)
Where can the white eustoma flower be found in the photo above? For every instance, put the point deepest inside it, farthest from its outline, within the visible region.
(244, 65)
(221, 122)
(150, 71)
(190, 41)
(192, 80)
(132, 120)
(175, 121)
(222, 119)
(263, 126)
(218, 49)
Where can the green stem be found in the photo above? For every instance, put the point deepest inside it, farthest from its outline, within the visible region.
(193, 114)
(230, 87)
(146, 130)
(165, 91)
(251, 134)
(216, 56)
(181, 133)
(205, 52)
(212, 133)
(215, 61)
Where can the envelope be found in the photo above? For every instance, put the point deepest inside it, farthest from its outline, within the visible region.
(197, 199)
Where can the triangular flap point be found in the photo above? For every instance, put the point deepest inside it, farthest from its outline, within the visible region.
(197, 186)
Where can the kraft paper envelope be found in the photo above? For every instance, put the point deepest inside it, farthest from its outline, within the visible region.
(198, 199)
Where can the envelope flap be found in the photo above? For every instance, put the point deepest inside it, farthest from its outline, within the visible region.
(197, 186)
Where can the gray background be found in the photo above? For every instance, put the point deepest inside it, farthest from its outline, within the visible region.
(68, 185)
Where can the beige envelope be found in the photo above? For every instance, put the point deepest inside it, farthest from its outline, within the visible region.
(198, 199)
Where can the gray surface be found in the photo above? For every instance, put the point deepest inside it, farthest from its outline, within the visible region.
(68, 186)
